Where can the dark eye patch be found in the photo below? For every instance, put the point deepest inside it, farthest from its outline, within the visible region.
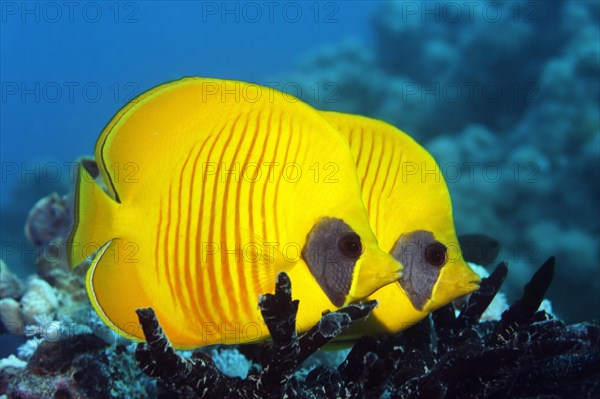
(422, 257)
(331, 252)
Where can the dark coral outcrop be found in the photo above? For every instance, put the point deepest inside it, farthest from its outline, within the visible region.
(198, 376)
(525, 354)
(81, 366)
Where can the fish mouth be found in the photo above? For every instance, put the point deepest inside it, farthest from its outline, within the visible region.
(390, 271)
(471, 286)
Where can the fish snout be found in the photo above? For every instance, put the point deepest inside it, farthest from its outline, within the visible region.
(376, 270)
(392, 270)
(470, 282)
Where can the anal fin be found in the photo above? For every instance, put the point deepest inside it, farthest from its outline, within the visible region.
(115, 288)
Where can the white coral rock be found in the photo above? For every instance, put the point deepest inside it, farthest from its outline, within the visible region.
(12, 361)
(10, 284)
(10, 314)
(25, 351)
(39, 300)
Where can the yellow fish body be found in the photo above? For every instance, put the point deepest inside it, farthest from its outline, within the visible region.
(411, 214)
(210, 194)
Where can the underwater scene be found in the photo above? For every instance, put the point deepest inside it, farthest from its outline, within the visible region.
(300, 199)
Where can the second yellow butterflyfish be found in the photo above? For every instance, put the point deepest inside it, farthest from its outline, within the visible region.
(411, 214)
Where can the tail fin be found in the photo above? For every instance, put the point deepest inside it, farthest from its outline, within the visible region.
(93, 215)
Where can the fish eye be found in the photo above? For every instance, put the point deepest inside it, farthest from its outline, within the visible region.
(350, 245)
(435, 254)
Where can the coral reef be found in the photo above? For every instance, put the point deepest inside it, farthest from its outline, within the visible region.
(525, 353)
(11, 316)
(70, 352)
(484, 349)
(11, 285)
(18, 251)
(508, 105)
(199, 377)
(39, 299)
(231, 362)
(81, 366)
(49, 218)
(54, 293)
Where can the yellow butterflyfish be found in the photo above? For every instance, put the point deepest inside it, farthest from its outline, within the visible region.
(411, 214)
(210, 192)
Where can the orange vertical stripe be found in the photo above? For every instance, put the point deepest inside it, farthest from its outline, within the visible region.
(201, 235)
(192, 245)
(157, 242)
(387, 178)
(299, 145)
(215, 300)
(360, 151)
(396, 175)
(375, 182)
(364, 178)
(166, 249)
(179, 268)
(227, 271)
(256, 286)
(245, 301)
(279, 134)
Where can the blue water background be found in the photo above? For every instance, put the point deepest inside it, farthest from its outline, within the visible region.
(150, 43)
(67, 69)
